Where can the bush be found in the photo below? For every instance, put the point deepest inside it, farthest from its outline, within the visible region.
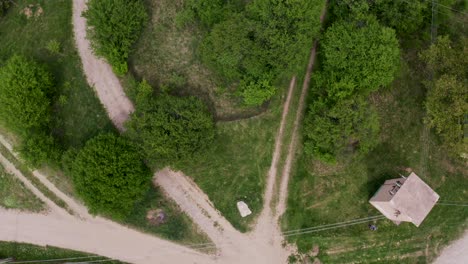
(330, 130)
(110, 176)
(25, 88)
(169, 128)
(114, 25)
(4, 5)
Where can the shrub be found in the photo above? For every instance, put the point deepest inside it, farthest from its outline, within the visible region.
(168, 128)
(330, 130)
(25, 88)
(110, 176)
(114, 25)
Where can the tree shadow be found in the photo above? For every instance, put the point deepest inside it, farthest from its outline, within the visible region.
(383, 163)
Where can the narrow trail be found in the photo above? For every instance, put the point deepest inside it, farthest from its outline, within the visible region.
(283, 194)
(98, 72)
(75, 206)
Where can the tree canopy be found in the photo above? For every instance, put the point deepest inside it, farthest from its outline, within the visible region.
(114, 25)
(358, 57)
(25, 87)
(447, 98)
(251, 45)
(169, 128)
(110, 176)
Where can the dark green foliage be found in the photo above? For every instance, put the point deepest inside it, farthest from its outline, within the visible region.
(447, 99)
(358, 58)
(404, 16)
(349, 124)
(25, 88)
(257, 44)
(169, 128)
(110, 176)
(39, 147)
(114, 26)
(4, 5)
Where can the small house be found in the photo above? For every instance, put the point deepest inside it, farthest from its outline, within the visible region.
(406, 199)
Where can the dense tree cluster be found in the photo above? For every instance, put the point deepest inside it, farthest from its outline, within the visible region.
(358, 58)
(25, 91)
(114, 25)
(169, 128)
(110, 176)
(251, 44)
(404, 16)
(447, 99)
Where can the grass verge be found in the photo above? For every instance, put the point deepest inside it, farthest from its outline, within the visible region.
(38, 254)
(323, 194)
(14, 195)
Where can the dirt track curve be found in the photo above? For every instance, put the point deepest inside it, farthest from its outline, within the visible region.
(99, 74)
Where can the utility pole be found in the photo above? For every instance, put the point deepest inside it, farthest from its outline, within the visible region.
(433, 21)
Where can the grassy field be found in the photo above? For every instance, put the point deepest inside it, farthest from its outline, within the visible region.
(34, 254)
(325, 194)
(14, 195)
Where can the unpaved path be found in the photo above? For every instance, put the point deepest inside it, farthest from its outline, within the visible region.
(75, 206)
(455, 253)
(110, 239)
(267, 229)
(98, 72)
(283, 195)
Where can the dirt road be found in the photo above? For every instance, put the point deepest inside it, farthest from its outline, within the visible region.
(98, 72)
(455, 253)
(110, 239)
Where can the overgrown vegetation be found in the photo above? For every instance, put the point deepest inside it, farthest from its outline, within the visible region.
(323, 193)
(447, 99)
(250, 45)
(359, 57)
(28, 252)
(4, 5)
(113, 26)
(13, 194)
(109, 175)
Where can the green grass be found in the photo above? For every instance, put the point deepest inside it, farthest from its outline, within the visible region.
(14, 195)
(77, 113)
(33, 253)
(323, 194)
(236, 165)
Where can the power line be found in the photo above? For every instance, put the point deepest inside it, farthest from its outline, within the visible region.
(333, 227)
(335, 224)
(453, 204)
